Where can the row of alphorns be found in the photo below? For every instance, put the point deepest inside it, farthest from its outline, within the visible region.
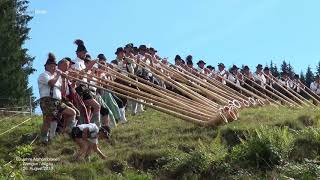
(201, 100)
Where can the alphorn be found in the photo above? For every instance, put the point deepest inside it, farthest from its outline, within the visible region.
(216, 120)
(286, 101)
(288, 91)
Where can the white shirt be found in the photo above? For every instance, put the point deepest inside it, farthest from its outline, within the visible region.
(44, 88)
(261, 78)
(93, 129)
(296, 85)
(232, 78)
(224, 74)
(286, 82)
(79, 64)
(315, 87)
(200, 70)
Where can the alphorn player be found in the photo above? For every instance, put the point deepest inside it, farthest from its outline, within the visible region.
(122, 63)
(83, 89)
(258, 76)
(211, 71)
(201, 66)
(297, 85)
(285, 80)
(315, 85)
(178, 60)
(234, 76)
(50, 84)
(223, 74)
(189, 63)
(268, 75)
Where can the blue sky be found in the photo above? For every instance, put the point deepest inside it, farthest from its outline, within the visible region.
(229, 31)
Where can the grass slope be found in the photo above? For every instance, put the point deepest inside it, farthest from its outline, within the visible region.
(264, 143)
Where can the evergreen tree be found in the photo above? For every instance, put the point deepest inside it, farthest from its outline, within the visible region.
(309, 76)
(318, 69)
(271, 67)
(275, 71)
(284, 66)
(16, 64)
(302, 78)
(290, 71)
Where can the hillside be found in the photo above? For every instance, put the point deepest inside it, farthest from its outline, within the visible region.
(264, 143)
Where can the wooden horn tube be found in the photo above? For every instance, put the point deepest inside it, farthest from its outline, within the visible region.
(222, 92)
(288, 92)
(215, 120)
(236, 103)
(252, 101)
(266, 90)
(195, 105)
(142, 95)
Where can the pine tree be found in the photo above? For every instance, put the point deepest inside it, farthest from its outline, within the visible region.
(309, 76)
(284, 66)
(275, 71)
(302, 78)
(318, 69)
(290, 71)
(16, 64)
(271, 67)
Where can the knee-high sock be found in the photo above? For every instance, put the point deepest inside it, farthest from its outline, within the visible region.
(134, 107)
(53, 128)
(123, 115)
(96, 119)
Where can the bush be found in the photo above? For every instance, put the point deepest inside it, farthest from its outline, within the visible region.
(193, 163)
(255, 153)
(306, 120)
(301, 171)
(307, 146)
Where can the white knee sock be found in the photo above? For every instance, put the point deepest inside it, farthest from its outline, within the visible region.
(53, 128)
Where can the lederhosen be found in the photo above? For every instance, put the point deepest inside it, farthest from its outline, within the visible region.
(50, 106)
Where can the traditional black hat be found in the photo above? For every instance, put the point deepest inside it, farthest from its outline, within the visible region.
(210, 67)
(189, 61)
(189, 57)
(259, 66)
(130, 45)
(152, 49)
(234, 67)
(102, 57)
(178, 57)
(246, 67)
(201, 61)
(120, 49)
(266, 68)
(142, 47)
(81, 46)
(221, 65)
(296, 76)
(51, 59)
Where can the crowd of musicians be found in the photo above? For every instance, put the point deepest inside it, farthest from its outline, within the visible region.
(88, 113)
